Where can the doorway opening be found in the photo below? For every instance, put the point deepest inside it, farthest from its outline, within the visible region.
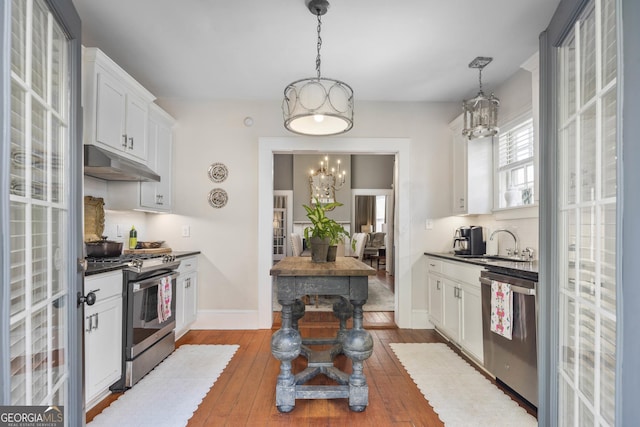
(401, 241)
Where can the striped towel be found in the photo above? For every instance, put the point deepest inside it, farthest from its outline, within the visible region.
(164, 299)
(501, 309)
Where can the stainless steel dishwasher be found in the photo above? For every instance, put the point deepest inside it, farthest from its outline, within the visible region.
(513, 361)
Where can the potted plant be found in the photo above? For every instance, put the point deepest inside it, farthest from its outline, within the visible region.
(324, 231)
(337, 236)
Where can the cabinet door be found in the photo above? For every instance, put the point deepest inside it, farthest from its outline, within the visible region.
(102, 346)
(459, 165)
(190, 300)
(157, 195)
(186, 292)
(451, 315)
(436, 292)
(180, 291)
(136, 126)
(110, 112)
(471, 321)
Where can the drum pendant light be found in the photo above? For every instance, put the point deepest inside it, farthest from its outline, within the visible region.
(481, 112)
(318, 105)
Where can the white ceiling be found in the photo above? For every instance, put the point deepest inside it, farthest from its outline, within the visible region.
(393, 50)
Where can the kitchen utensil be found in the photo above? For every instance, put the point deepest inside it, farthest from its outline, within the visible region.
(103, 248)
(149, 245)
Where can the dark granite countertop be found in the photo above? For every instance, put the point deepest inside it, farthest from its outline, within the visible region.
(526, 270)
(105, 268)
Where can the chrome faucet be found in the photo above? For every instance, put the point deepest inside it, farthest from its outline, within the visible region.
(516, 252)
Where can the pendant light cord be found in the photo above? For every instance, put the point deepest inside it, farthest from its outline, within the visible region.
(480, 78)
(319, 44)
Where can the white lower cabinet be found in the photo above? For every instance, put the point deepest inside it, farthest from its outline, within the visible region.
(102, 335)
(455, 306)
(436, 290)
(186, 295)
(451, 308)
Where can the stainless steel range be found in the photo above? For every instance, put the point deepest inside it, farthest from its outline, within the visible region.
(149, 313)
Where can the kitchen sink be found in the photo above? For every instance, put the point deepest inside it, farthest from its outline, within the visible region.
(488, 258)
(506, 258)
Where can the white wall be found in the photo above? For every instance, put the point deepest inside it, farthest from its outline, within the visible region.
(214, 132)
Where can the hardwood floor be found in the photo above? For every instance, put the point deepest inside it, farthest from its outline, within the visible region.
(244, 394)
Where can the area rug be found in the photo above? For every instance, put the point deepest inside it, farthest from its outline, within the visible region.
(169, 395)
(459, 394)
(380, 299)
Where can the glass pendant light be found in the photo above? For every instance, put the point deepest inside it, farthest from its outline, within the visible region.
(481, 112)
(318, 105)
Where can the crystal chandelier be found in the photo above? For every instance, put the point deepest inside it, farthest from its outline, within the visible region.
(481, 112)
(318, 105)
(325, 181)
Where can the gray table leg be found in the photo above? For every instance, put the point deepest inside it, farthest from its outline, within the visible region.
(342, 310)
(358, 346)
(285, 346)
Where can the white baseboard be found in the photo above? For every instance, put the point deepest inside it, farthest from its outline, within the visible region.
(226, 319)
(420, 319)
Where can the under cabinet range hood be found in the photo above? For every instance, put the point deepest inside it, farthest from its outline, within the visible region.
(109, 166)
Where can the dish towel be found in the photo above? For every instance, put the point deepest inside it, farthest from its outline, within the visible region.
(501, 308)
(164, 299)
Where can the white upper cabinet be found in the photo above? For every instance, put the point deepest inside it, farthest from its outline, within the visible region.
(157, 195)
(472, 168)
(150, 196)
(116, 107)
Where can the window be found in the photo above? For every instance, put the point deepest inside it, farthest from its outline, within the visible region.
(515, 159)
(381, 213)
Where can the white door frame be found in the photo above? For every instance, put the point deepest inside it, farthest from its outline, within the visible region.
(288, 194)
(268, 146)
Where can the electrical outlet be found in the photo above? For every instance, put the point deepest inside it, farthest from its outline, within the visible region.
(119, 230)
(186, 231)
(428, 225)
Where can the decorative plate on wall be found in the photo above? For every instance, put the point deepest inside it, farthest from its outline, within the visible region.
(218, 197)
(218, 172)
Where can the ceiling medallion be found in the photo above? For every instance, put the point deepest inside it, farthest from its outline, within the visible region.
(318, 105)
(218, 172)
(218, 198)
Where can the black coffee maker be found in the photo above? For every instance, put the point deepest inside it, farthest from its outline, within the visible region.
(468, 240)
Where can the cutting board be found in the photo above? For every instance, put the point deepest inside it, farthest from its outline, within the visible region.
(148, 251)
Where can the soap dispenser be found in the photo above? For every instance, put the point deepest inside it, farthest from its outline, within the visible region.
(133, 238)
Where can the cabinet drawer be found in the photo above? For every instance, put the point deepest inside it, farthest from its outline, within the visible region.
(462, 272)
(104, 285)
(434, 265)
(188, 265)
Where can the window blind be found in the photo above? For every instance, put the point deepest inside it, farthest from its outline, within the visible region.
(516, 145)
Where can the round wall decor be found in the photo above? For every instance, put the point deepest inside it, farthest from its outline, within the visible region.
(218, 198)
(218, 172)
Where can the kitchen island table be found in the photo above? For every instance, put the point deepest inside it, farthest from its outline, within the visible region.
(347, 277)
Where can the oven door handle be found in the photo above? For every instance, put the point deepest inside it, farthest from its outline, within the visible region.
(514, 288)
(139, 286)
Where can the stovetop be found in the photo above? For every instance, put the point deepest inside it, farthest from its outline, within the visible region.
(136, 263)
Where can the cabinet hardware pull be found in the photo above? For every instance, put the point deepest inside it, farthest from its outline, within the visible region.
(131, 142)
(89, 323)
(124, 140)
(438, 284)
(97, 317)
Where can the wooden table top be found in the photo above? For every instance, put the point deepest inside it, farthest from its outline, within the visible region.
(303, 266)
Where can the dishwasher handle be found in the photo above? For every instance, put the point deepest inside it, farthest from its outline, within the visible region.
(514, 288)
